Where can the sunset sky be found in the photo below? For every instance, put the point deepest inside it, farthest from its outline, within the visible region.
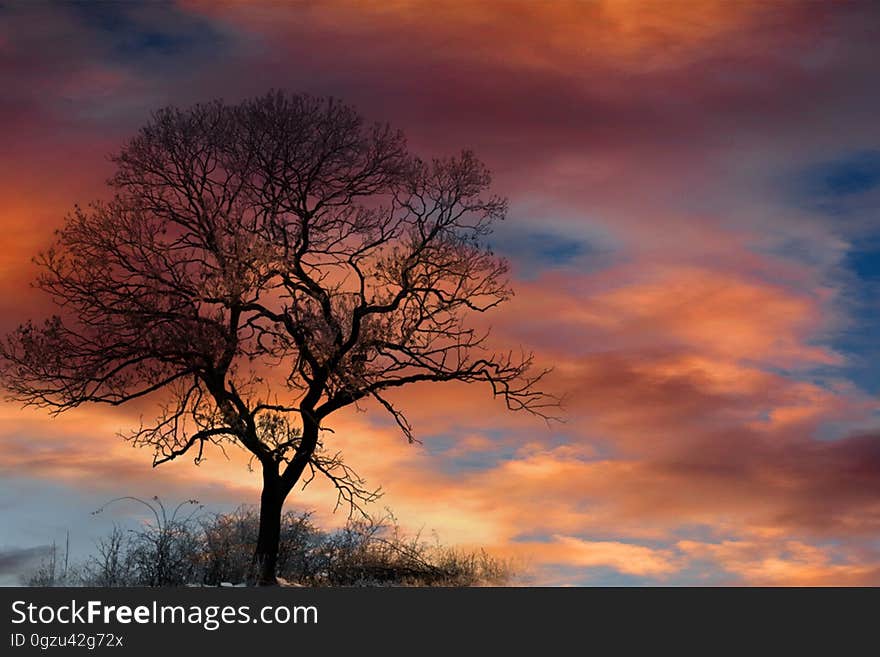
(694, 234)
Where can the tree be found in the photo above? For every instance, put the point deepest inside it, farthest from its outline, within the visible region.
(259, 267)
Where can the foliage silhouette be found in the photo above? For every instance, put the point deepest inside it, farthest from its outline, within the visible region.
(217, 548)
(259, 267)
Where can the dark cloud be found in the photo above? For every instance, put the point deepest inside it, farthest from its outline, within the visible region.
(15, 562)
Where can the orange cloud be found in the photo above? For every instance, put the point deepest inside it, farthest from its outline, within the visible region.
(630, 34)
(784, 563)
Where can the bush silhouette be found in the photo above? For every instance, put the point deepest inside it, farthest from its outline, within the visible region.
(189, 547)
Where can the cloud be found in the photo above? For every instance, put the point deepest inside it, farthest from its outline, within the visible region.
(699, 318)
(785, 563)
(625, 558)
(14, 561)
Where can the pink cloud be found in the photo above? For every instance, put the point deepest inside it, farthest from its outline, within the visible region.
(688, 360)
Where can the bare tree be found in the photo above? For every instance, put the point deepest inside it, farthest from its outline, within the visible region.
(258, 267)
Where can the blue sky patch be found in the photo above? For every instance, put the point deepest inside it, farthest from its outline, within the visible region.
(858, 340)
(138, 33)
(836, 187)
(534, 251)
(854, 174)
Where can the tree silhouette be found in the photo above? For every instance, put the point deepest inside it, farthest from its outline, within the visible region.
(258, 267)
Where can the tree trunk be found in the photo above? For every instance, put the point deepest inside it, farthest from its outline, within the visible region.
(266, 554)
(275, 489)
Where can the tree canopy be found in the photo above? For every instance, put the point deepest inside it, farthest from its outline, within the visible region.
(263, 265)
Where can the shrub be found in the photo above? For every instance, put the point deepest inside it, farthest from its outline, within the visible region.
(188, 546)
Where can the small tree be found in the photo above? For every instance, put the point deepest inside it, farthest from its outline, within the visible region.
(259, 267)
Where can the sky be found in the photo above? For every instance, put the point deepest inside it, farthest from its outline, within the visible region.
(694, 236)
